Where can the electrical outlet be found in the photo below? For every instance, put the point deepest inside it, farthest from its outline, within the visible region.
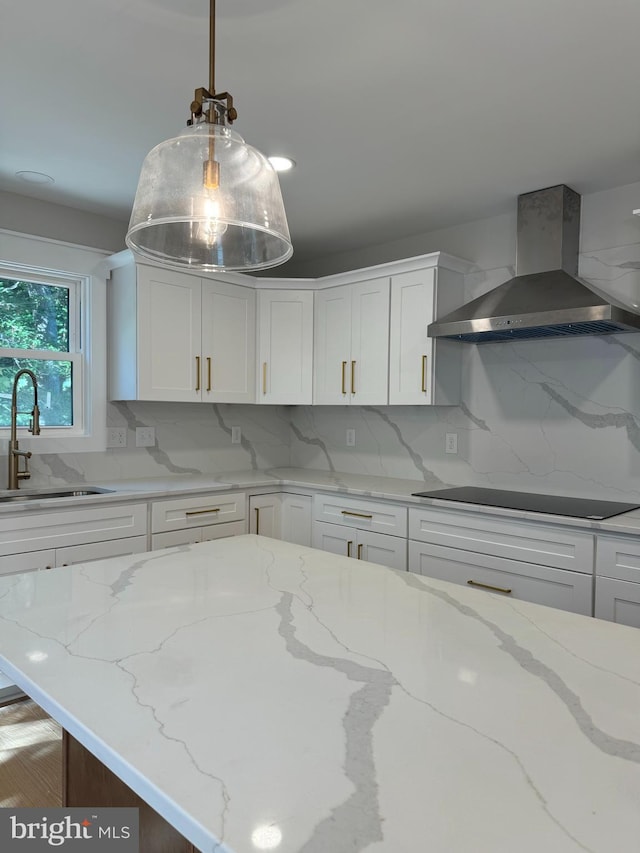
(145, 436)
(351, 438)
(116, 436)
(236, 435)
(451, 442)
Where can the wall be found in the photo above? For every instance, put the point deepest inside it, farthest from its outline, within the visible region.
(561, 416)
(553, 415)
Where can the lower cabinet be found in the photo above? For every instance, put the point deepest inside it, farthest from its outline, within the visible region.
(527, 581)
(540, 563)
(200, 518)
(33, 541)
(281, 516)
(618, 579)
(378, 548)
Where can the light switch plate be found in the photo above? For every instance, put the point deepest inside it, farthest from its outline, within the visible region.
(145, 436)
(351, 438)
(116, 436)
(236, 435)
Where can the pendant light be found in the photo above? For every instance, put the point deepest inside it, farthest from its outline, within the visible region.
(206, 200)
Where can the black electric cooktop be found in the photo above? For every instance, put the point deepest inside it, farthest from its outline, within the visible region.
(552, 504)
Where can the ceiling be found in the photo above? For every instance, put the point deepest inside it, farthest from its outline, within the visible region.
(402, 117)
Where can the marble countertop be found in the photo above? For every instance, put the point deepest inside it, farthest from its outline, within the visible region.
(362, 485)
(265, 696)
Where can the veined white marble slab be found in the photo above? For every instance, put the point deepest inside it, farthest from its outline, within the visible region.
(265, 696)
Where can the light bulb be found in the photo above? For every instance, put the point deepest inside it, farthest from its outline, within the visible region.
(212, 227)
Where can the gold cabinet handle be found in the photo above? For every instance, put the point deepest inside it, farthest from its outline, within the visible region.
(488, 586)
(208, 373)
(197, 373)
(356, 514)
(344, 367)
(202, 511)
(264, 377)
(359, 552)
(349, 544)
(424, 373)
(257, 520)
(353, 377)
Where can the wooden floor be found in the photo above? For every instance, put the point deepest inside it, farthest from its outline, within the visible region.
(30, 757)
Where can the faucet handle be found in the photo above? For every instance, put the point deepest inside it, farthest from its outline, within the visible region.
(34, 424)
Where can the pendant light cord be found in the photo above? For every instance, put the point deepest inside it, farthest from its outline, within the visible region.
(212, 46)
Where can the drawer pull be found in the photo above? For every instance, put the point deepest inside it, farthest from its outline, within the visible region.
(349, 544)
(424, 373)
(353, 377)
(197, 373)
(264, 377)
(257, 520)
(208, 373)
(202, 511)
(359, 552)
(488, 586)
(356, 514)
(344, 367)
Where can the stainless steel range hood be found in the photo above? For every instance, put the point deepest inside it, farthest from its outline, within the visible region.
(545, 299)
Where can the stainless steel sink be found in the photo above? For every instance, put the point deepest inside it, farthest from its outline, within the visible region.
(19, 495)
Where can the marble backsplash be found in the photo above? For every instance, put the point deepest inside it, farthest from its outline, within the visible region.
(191, 438)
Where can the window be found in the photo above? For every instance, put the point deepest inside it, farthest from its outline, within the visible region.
(40, 330)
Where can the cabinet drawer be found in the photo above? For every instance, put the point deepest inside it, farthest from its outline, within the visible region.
(37, 531)
(514, 540)
(197, 534)
(367, 515)
(618, 601)
(618, 558)
(197, 511)
(542, 585)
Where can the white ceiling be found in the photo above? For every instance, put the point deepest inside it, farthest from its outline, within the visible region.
(403, 116)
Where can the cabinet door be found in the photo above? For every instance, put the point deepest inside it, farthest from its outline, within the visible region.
(228, 343)
(100, 550)
(169, 342)
(334, 538)
(369, 364)
(332, 346)
(285, 347)
(264, 515)
(296, 519)
(384, 550)
(11, 564)
(618, 601)
(410, 348)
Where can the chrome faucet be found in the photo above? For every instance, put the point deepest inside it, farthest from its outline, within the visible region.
(15, 474)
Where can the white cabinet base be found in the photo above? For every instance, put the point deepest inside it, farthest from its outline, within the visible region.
(618, 601)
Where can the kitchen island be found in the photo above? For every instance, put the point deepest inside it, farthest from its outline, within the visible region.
(260, 695)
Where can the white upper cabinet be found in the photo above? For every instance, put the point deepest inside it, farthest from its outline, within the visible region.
(285, 347)
(178, 337)
(351, 352)
(422, 370)
(228, 343)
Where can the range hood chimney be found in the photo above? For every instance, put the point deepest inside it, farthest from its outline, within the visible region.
(546, 298)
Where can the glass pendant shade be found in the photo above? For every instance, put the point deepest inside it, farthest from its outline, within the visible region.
(206, 200)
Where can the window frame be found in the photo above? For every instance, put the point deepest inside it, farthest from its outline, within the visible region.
(75, 354)
(47, 261)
